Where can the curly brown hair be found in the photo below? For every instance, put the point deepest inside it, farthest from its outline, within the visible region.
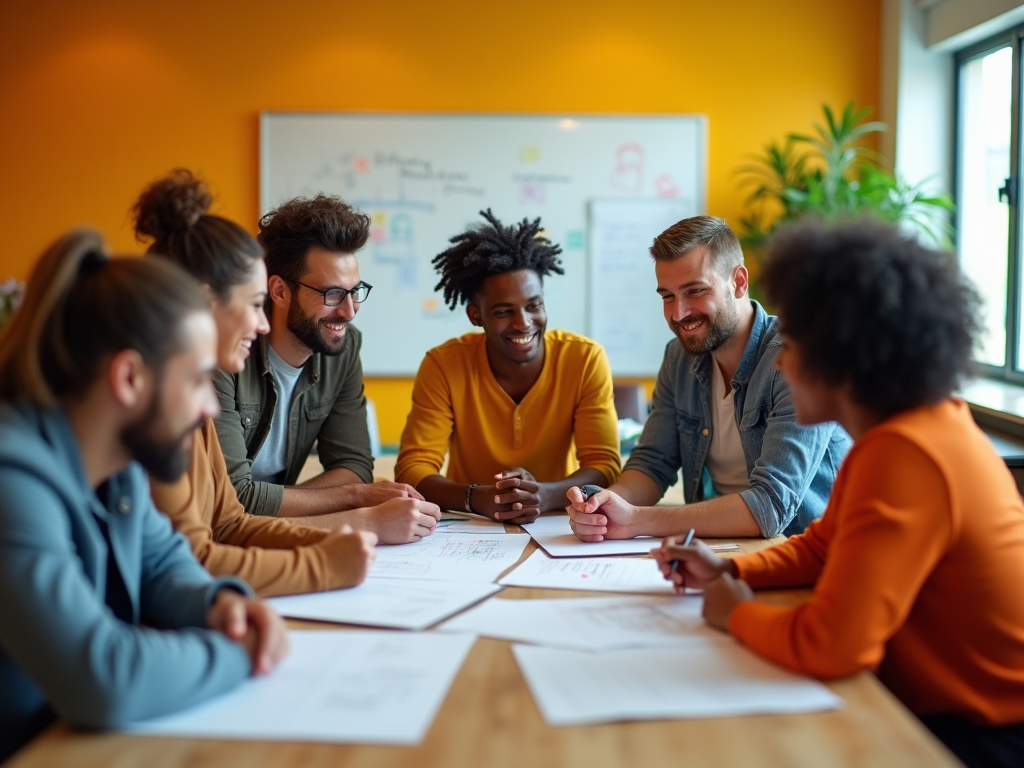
(288, 232)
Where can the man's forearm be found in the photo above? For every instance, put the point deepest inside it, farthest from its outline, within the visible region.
(725, 516)
(556, 492)
(331, 479)
(637, 488)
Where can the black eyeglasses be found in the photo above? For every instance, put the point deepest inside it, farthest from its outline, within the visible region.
(334, 296)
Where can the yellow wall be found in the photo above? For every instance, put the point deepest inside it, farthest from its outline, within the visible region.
(97, 98)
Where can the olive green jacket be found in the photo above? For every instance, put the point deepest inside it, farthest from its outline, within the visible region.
(328, 407)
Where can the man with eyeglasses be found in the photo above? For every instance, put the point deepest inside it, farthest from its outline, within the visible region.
(303, 383)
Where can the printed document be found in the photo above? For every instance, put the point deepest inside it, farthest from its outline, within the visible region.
(394, 603)
(601, 574)
(451, 557)
(352, 687)
(710, 678)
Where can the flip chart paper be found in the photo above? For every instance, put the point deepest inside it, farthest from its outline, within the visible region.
(359, 687)
(709, 678)
(589, 624)
(601, 574)
(450, 557)
(395, 603)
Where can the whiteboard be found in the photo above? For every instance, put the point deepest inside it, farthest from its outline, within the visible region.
(424, 178)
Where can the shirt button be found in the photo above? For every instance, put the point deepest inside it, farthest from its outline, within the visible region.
(705, 432)
(246, 420)
(124, 505)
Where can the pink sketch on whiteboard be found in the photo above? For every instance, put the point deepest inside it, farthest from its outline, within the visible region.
(361, 164)
(532, 192)
(628, 173)
(665, 187)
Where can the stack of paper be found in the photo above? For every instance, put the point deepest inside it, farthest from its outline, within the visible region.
(348, 687)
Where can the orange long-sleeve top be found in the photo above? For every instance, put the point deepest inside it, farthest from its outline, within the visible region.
(917, 566)
(567, 419)
(275, 556)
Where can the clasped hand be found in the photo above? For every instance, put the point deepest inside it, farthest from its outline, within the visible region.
(252, 623)
(697, 567)
(516, 497)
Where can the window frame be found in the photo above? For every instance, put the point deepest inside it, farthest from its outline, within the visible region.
(1011, 38)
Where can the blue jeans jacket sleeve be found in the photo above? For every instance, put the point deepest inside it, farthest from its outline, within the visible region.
(790, 459)
(94, 669)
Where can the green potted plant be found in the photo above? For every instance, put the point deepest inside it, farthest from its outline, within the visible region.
(11, 292)
(831, 174)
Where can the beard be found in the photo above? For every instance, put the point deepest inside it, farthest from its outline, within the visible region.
(307, 330)
(720, 329)
(164, 460)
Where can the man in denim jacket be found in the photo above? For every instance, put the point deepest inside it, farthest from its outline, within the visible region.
(722, 413)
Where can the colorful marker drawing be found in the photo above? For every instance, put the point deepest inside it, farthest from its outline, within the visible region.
(532, 193)
(628, 173)
(361, 164)
(529, 154)
(665, 187)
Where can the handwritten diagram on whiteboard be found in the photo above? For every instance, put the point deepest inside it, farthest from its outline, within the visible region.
(423, 178)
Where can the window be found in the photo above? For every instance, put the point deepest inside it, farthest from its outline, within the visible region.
(988, 168)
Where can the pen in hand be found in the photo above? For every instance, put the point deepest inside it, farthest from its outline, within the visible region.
(686, 543)
(588, 490)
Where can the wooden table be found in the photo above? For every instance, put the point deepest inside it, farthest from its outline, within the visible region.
(489, 719)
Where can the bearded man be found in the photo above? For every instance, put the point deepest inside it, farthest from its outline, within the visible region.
(722, 413)
(303, 383)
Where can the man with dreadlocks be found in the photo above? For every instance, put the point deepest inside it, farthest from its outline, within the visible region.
(509, 404)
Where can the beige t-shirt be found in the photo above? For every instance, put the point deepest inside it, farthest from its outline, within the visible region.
(725, 459)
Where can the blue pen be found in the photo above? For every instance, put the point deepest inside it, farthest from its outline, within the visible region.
(588, 491)
(689, 538)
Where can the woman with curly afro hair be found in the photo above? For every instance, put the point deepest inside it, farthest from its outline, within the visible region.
(918, 561)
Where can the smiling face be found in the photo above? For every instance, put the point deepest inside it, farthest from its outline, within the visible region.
(240, 319)
(700, 303)
(510, 309)
(316, 326)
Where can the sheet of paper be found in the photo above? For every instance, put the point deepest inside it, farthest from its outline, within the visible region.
(589, 624)
(554, 534)
(708, 678)
(357, 687)
(395, 603)
(451, 557)
(601, 574)
(462, 522)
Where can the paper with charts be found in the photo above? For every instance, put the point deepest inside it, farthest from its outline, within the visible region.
(709, 678)
(450, 557)
(601, 574)
(554, 534)
(353, 687)
(589, 623)
(386, 603)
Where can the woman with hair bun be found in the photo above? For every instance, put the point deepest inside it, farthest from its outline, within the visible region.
(275, 556)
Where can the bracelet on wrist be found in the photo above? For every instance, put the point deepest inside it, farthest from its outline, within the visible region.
(468, 505)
